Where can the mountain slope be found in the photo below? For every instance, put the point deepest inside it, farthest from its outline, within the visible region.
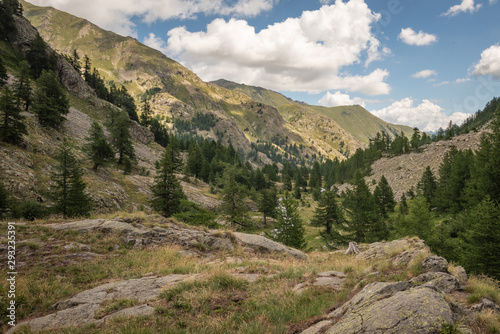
(177, 93)
(354, 119)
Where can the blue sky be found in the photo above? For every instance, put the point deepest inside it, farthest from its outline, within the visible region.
(415, 62)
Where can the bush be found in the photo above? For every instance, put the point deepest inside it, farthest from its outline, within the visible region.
(194, 215)
(29, 210)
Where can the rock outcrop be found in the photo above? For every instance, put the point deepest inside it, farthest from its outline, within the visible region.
(139, 235)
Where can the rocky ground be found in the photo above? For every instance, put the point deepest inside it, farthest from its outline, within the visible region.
(389, 287)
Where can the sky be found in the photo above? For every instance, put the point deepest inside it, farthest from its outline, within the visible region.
(420, 63)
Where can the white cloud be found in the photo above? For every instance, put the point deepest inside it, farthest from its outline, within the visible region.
(464, 7)
(116, 15)
(155, 42)
(489, 63)
(424, 74)
(299, 54)
(492, 2)
(426, 116)
(410, 37)
(462, 80)
(339, 99)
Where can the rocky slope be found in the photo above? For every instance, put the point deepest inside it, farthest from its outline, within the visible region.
(390, 287)
(405, 171)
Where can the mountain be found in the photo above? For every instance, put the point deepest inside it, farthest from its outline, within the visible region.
(359, 123)
(243, 114)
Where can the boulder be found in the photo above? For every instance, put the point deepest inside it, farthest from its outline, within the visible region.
(392, 308)
(435, 264)
(81, 309)
(262, 244)
(379, 250)
(438, 280)
(331, 279)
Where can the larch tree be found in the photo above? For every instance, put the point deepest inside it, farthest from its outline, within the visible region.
(121, 138)
(50, 102)
(329, 214)
(289, 229)
(384, 197)
(97, 147)
(12, 127)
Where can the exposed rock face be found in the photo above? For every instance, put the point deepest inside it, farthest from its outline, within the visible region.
(409, 247)
(393, 308)
(262, 244)
(141, 236)
(435, 264)
(82, 308)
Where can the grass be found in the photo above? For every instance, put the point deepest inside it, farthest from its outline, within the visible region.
(482, 286)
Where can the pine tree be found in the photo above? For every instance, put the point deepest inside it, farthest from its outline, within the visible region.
(427, 185)
(233, 195)
(50, 102)
(483, 239)
(362, 209)
(12, 126)
(329, 215)
(403, 205)
(167, 190)
(268, 202)
(415, 139)
(289, 229)
(38, 57)
(121, 139)
(97, 148)
(384, 197)
(419, 219)
(3, 73)
(4, 201)
(146, 114)
(22, 87)
(68, 194)
(194, 160)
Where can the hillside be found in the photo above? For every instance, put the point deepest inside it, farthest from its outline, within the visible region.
(329, 127)
(244, 114)
(175, 91)
(146, 274)
(25, 169)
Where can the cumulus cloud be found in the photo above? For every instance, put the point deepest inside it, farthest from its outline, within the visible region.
(424, 74)
(155, 42)
(339, 99)
(489, 63)
(116, 15)
(410, 37)
(426, 116)
(464, 7)
(299, 54)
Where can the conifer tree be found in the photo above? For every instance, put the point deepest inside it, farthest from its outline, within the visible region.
(167, 191)
(121, 139)
(50, 102)
(4, 201)
(194, 160)
(362, 209)
(38, 57)
(427, 185)
(384, 197)
(3, 73)
(419, 219)
(68, 194)
(268, 202)
(146, 113)
(233, 195)
(97, 148)
(289, 228)
(483, 239)
(22, 87)
(12, 126)
(329, 215)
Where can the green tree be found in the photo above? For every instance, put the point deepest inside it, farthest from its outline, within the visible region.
(194, 160)
(268, 202)
(415, 139)
(39, 58)
(427, 185)
(50, 101)
(146, 114)
(329, 215)
(12, 125)
(22, 87)
(3, 73)
(233, 195)
(384, 197)
(419, 219)
(289, 229)
(167, 190)
(483, 239)
(69, 188)
(97, 148)
(362, 210)
(121, 139)
(4, 201)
